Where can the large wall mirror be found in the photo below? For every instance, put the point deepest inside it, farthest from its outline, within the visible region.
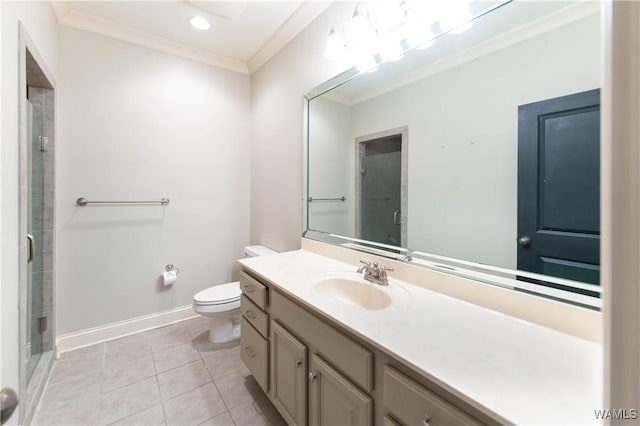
(479, 154)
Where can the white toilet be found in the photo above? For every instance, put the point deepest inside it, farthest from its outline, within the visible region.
(221, 303)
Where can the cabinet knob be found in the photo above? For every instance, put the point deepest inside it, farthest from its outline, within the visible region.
(248, 288)
(251, 315)
(312, 376)
(425, 421)
(298, 363)
(249, 351)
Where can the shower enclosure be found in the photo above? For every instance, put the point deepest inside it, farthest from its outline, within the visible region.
(37, 227)
(36, 321)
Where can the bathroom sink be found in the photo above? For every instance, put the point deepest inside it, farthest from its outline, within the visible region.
(351, 289)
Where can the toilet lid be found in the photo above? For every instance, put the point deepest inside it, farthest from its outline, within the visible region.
(218, 294)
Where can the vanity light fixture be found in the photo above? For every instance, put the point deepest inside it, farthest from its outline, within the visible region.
(199, 23)
(384, 30)
(390, 48)
(455, 16)
(360, 30)
(418, 25)
(336, 44)
(367, 64)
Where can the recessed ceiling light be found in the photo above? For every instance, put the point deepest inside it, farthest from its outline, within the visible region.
(199, 22)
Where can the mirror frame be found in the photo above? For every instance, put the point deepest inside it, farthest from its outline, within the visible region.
(482, 273)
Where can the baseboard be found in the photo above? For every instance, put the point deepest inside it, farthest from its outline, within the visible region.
(91, 336)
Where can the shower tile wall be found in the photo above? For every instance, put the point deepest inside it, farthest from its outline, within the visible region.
(42, 99)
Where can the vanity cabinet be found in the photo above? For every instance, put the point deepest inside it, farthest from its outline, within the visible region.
(334, 400)
(289, 375)
(255, 316)
(340, 370)
(254, 344)
(254, 290)
(412, 404)
(255, 354)
(316, 372)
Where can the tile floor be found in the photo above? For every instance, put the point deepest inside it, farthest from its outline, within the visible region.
(167, 376)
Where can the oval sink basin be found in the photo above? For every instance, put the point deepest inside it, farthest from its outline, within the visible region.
(354, 292)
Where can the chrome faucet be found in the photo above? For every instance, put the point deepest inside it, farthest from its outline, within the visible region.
(374, 273)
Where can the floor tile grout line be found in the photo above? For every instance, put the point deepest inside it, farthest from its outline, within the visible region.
(104, 352)
(155, 368)
(164, 411)
(134, 414)
(226, 409)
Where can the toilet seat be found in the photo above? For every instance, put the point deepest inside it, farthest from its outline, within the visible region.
(224, 294)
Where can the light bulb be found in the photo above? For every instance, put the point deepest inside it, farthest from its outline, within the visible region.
(456, 16)
(366, 64)
(388, 15)
(361, 35)
(390, 48)
(335, 46)
(418, 26)
(199, 22)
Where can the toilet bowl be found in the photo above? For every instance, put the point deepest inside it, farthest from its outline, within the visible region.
(221, 303)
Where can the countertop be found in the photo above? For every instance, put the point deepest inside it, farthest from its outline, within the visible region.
(526, 373)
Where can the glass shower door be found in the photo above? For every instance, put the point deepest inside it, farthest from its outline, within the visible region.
(381, 190)
(35, 192)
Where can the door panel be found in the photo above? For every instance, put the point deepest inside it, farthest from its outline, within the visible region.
(559, 187)
(334, 400)
(288, 372)
(569, 178)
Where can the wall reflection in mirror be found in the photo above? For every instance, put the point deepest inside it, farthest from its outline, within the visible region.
(480, 153)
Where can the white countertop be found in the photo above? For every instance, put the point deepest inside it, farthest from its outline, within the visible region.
(524, 372)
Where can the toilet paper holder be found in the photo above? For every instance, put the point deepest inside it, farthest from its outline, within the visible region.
(170, 268)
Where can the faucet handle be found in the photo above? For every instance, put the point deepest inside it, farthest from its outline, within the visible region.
(384, 269)
(365, 263)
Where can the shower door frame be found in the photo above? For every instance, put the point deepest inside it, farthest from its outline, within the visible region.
(30, 391)
(403, 132)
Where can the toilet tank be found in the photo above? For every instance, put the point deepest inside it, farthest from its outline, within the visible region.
(255, 251)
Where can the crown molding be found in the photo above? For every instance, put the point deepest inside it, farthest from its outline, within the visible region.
(60, 9)
(224, 9)
(86, 22)
(303, 16)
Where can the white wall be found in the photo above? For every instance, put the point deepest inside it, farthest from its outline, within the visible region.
(39, 22)
(277, 102)
(137, 124)
(463, 138)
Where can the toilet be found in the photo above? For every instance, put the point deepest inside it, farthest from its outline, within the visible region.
(221, 303)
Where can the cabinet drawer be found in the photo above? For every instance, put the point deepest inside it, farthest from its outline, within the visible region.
(412, 404)
(254, 352)
(350, 358)
(257, 317)
(253, 289)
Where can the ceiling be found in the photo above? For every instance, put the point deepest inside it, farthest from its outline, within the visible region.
(242, 37)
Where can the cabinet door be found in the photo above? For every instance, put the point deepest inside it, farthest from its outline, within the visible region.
(334, 400)
(288, 375)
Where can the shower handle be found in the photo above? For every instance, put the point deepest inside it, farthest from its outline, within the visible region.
(397, 218)
(32, 247)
